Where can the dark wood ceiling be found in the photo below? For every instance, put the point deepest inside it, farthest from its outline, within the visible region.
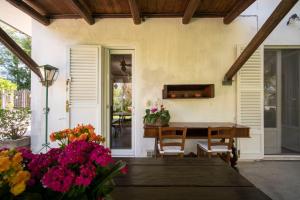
(148, 8)
(45, 10)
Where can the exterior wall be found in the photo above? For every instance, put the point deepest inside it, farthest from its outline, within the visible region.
(14, 17)
(166, 52)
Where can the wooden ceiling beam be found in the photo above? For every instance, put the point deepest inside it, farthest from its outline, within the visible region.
(135, 12)
(21, 5)
(278, 14)
(237, 9)
(83, 10)
(19, 52)
(190, 11)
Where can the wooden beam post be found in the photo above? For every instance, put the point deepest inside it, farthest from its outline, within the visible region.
(190, 11)
(30, 11)
(278, 14)
(237, 9)
(16, 49)
(135, 12)
(83, 10)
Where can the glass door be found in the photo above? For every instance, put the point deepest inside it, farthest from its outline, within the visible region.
(272, 105)
(119, 109)
(290, 101)
(282, 101)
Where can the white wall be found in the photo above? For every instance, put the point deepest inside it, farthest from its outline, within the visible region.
(166, 52)
(15, 17)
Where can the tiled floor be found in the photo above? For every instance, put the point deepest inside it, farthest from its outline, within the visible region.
(278, 179)
(121, 139)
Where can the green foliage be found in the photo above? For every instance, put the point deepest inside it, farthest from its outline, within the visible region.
(122, 97)
(7, 86)
(161, 117)
(14, 123)
(16, 71)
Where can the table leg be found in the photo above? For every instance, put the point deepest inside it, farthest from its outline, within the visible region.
(234, 158)
(155, 148)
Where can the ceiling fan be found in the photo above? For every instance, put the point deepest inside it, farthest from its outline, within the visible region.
(123, 65)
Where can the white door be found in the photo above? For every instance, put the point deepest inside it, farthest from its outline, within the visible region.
(118, 100)
(83, 102)
(250, 105)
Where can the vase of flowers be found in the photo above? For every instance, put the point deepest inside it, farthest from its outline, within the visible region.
(156, 115)
(81, 168)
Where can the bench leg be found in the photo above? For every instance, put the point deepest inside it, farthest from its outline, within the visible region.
(209, 155)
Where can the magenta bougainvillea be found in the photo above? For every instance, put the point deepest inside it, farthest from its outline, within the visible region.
(75, 170)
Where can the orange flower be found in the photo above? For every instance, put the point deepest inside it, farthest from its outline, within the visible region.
(19, 177)
(18, 188)
(83, 136)
(71, 137)
(17, 159)
(93, 136)
(52, 137)
(4, 164)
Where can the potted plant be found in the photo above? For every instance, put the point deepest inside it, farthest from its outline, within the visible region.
(157, 115)
(81, 168)
(13, 126)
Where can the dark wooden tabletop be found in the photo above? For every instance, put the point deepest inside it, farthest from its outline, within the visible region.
(187, 178)
(205, 124)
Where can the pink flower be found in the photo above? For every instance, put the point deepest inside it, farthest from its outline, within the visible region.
(75, 153)
(87, 174)
(40, 163)
(59, 179)
(153, 110)
(26, 154)
(67, 169)
(124, 170)
(101, 156)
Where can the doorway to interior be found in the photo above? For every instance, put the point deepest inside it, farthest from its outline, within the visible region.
(119, 112)
(282, 101)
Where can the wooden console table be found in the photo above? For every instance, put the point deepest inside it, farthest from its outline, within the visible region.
(199, 130)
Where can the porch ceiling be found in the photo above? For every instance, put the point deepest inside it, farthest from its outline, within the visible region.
(44, 10)
(120, 8)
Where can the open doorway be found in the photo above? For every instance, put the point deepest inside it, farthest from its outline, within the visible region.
(282, 101)
(119, 112)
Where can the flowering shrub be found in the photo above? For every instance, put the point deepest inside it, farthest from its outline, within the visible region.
(81, 169)
(13, 177)
(81, 132)
(14, 123)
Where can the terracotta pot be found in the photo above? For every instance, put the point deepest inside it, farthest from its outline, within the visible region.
(22, 142)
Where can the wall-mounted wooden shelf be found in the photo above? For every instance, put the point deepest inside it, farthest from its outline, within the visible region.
(191, 91)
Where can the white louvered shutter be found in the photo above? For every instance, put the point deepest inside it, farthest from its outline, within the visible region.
(84, 86)
(250, 104)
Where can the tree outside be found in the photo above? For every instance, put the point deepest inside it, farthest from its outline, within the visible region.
(11, 68)
(122, 97)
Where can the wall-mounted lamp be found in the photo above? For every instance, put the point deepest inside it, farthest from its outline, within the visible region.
(293, 19)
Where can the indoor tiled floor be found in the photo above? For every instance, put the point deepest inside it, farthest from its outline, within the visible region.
(121, 139)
